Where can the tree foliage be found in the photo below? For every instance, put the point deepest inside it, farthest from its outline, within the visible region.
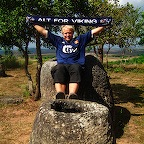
(14, 31)
(141, 30)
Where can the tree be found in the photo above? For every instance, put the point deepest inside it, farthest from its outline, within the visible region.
(15, 32)
(128, 27)
(141, 31)
(124, 30)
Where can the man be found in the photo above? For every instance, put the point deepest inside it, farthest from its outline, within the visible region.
(70, 53)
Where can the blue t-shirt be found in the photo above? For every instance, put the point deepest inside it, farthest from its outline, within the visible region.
(70, 52)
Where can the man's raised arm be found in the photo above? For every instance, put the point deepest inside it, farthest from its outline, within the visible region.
(41, 30)
(97, 30)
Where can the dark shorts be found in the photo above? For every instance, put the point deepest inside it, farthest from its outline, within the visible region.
(67, 73)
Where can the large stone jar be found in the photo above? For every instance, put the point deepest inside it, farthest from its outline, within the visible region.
(88, 120)
(72, 122)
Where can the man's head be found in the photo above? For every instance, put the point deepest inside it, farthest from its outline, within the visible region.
(67, 31)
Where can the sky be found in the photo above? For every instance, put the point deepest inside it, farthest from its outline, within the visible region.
(136, 3)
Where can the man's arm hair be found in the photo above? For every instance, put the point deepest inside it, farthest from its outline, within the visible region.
(41, 30)
(97, 30)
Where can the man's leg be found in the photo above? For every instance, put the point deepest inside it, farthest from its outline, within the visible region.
(59, 74)
(73, 88)
(75, 72)
(60, 87)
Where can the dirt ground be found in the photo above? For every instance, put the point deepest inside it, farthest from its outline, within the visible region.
(16, 120)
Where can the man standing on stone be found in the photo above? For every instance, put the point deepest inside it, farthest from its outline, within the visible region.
(70, 54)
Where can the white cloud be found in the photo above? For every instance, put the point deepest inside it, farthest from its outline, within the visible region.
(136, 3)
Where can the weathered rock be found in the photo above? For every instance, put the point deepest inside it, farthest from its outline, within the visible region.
(94, 87)
(72, 122)
(46, 82)
(10, 100)
(85, 121)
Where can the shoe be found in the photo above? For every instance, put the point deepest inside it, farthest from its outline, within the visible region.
(73, 96)
(60, 95)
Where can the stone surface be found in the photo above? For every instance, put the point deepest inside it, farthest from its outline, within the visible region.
(46, 82)
(94, 87)
(72, 122)
(88, 120)
(10, 100)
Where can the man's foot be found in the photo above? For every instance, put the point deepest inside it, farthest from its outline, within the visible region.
(73, 96)
(60, 95)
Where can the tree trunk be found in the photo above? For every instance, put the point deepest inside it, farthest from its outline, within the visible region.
(100, 53)
(39, 65)
(107, 56)
(95, 52)
(2, 70)
(30, 82)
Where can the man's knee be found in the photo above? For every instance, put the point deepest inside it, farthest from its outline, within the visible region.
(75, 73)
(59, 74)
(76, 68)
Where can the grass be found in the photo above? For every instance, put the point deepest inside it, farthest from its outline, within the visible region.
(127, 60)
(127, 81)
(128, 94)
(135, 64)
(128, 89)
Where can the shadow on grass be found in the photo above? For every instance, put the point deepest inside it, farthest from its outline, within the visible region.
(123, 94)
(122, 117)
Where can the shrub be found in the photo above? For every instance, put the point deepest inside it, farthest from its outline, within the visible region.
(11, 62)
